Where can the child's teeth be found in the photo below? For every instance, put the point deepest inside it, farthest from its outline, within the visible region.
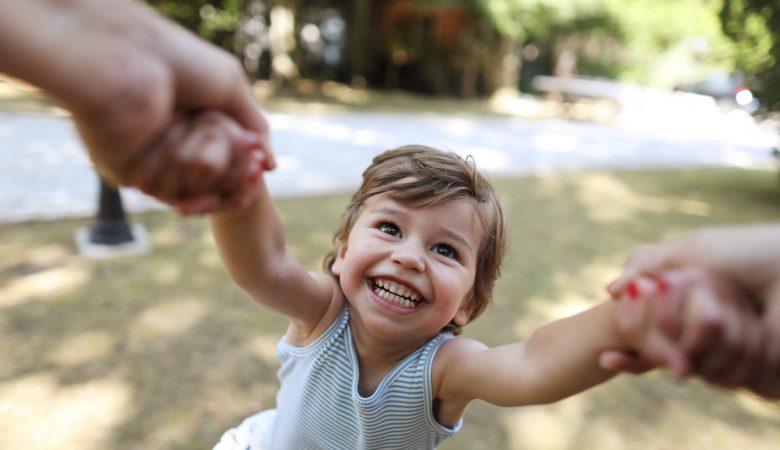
(396, 293)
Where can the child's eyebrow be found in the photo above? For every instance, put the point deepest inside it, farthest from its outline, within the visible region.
(457, 238)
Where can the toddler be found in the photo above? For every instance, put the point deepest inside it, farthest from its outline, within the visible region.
(370, 359)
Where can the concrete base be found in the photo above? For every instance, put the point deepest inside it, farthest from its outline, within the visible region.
(139, 245)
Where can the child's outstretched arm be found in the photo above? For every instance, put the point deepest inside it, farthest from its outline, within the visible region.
(559, 360)
(251, 241)
(197, 157)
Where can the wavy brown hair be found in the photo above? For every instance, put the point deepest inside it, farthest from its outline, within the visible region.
(419, 176)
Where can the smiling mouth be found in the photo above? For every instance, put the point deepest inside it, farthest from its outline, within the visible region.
(396, 293)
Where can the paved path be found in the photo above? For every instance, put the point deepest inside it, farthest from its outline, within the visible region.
(45, 174)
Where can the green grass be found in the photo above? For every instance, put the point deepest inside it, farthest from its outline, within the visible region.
(160, 351)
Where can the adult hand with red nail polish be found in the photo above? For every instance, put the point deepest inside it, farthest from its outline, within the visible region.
(132, 79)
(735, 337)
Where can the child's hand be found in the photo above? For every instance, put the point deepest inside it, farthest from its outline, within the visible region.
(201, 164)
(690, 323)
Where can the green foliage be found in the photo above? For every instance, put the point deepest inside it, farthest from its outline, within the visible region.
(754, 25)
(215, 20)
(668, 41)
(526, 19)
(650, 41)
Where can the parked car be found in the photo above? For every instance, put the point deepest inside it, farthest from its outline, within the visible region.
(729, 90)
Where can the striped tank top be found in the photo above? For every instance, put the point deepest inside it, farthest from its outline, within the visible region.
(319, 407)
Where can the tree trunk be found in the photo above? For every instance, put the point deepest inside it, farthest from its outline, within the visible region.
(357, 42)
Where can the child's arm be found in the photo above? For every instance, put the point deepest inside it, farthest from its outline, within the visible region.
(251, 241)
(557, 361)
(197, 156)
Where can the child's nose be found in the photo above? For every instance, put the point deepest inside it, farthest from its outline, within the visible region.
(410, 256)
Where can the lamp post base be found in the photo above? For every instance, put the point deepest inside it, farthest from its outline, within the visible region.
(88, 247)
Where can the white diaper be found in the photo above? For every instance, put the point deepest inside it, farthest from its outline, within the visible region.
(252, 434)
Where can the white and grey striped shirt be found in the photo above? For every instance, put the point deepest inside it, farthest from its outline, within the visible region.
(319, 406)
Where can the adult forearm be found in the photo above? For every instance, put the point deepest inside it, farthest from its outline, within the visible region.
(74, 49)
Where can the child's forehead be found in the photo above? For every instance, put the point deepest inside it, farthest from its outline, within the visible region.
(464, 205)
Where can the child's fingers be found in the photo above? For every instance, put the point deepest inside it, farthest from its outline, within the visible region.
(648, 259)
(150, 163)
(200, 205)
(620, 361)
(637, 319)
(161, 176)
(243, 196)
(215, 202)
(670, 292)
(211, 158)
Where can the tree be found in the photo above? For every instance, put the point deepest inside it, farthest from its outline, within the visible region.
(215, 20)
(754, 25)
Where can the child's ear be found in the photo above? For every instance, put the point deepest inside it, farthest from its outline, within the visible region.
(339, 261)
(463, 315)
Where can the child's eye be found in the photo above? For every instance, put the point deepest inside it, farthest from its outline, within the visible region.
(389, 228)
(445, 250)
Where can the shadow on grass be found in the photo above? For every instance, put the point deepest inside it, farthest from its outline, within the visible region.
(162, 352)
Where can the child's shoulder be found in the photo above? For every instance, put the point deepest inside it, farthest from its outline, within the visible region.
(453, 354)
(302, 333)
(451, 369)
(457, 348)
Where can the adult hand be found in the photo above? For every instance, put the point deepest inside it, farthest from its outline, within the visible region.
(747, 259)
(189, 151)
(127, 74)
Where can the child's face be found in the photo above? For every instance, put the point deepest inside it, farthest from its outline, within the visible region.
(408, 271)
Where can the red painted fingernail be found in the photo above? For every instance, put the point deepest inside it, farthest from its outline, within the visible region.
(633, 290)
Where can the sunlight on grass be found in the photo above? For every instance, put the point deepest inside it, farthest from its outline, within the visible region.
(590, 279)
(48, 255)
(579, 290)
(167, 274)
(164, 352)
(36, 412)
(610, 200)
(167, 236)
(167, 319)
(210, 258)
(83, 348)
(46, 285)
(264, 347)
(549, 427)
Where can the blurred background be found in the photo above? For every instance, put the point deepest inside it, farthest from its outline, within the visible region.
(470, 48)
(605, 125)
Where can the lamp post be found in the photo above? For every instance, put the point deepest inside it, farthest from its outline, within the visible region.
(110, 226)
(111, 235)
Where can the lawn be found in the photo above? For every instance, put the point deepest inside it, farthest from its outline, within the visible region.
(160, 351)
